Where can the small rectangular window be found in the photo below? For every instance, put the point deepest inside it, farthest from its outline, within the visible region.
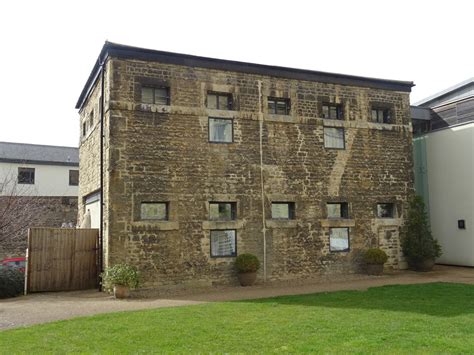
(157, 96)
(219, 101)
(73, 177)
(333, 111)
(334, 138)
(220, 130)
(381, 115)
(222, 211)
(154, 211)
(338, 210)
(385, 210)
(84, 128)
(223, 243)
(338, 239)
(278, 106)
(26, 176)
(283, 210)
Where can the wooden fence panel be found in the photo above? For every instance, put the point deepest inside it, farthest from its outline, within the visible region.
(61, 259)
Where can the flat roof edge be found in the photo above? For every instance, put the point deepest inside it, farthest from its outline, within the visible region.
(128, 52)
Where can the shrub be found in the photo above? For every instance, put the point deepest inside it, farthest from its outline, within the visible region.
(247, 263)
(418, 243)
(375, 256)
(12, 282)
(121, 274)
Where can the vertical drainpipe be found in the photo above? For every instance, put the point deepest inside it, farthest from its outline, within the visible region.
(264, 228)
(101, 219)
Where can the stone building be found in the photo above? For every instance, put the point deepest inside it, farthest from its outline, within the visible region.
(204, 159)
(38, 188)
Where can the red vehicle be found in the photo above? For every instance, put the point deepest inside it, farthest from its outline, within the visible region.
(18, 263)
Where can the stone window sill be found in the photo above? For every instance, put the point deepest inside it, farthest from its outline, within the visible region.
(138, 226)
(387, 221)
(207, 225)
(155, 108)
(337, 222)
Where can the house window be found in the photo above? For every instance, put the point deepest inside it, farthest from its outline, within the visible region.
(157, 96)
(154, 211)
(283, 210)
(223, 243)
(385, 210)
(338, 239)
(381, 115)
(219, 101)
(26, 176)
(73, 177)
(334, 138)
(220, 130)
(84, 128)
(278, 106)
(222, 211)
(338, 210)
(333, 111)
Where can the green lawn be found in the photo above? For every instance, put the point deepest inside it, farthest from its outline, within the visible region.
(437, 317)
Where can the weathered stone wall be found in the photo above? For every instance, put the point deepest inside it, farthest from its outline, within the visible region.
(162, 153)
(25, 212)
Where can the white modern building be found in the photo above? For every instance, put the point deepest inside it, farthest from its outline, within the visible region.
(444, 168)
(38, 188)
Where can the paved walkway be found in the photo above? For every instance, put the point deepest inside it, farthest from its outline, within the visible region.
(47, 307)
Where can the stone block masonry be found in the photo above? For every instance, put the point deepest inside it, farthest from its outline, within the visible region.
(163, 154)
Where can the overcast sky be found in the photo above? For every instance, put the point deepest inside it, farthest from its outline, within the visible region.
(48, 47)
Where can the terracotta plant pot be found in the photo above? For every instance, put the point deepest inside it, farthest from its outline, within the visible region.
(121, 291)
(375, 269)
(247, 278)
(425, 265)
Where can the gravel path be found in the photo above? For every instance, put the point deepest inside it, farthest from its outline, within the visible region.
(47, 307)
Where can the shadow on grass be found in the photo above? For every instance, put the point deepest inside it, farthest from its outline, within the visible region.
(434, 299)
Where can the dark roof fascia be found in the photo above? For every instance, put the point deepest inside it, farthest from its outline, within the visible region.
(127, 52)
(37, 162)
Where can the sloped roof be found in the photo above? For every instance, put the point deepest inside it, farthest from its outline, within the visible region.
(426, 101)
(38, 154)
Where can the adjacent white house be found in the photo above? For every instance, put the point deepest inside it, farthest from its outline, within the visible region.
(38, 170)
(444, 168)
(38, 188)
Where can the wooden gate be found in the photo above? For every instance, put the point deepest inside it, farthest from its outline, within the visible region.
(61, 259)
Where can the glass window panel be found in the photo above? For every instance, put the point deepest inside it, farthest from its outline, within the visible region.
(74, 177)
(220, 130)
(339, 239)
(212, 101)
(223, 243)
(147, 95)
(333, 112)
(161, 96)
(154, 210)
(26, 175)
(374, 115)
(386, 116)
(385, 210)
(334, 210)
(281, 211)
(271, 106)
(325, 111)
(334, 137)
(282, 108)
(223, 211)
(223, 102)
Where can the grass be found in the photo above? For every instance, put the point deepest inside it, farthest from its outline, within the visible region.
(426, 318)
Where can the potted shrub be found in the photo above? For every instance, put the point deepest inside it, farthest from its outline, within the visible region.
(247, 266)
(418, 244)
(375, 258)
(121, 278)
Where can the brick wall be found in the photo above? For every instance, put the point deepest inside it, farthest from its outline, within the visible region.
(32, 212)
(162, 153)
